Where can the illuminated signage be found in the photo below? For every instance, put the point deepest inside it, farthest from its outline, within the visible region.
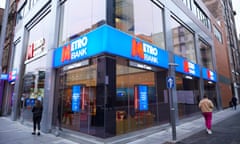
(12, 76)
(140, 65)
(106, 39)
(76, 65)
(76, 91)
(4, 77)
(144, 51)
(209, 75)
(35, 49)
(141, 97)
(187, 67)
(75, 49)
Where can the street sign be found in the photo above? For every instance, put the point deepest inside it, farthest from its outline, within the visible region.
(170, 82)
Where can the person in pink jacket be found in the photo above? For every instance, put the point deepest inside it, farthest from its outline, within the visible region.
(206, 107)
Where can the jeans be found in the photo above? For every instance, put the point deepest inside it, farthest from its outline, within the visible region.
(208, 119)
(36, 123)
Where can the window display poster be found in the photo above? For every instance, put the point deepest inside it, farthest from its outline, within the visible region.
(143, 99)
(76, 90)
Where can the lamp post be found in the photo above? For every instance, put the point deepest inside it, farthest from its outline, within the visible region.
(172, 89)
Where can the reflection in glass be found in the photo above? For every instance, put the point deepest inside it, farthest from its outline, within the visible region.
(206, 55)
(183, 41)
(140, 18)
(79, 17)
(136, 100)
(188, 95)
(80, 113)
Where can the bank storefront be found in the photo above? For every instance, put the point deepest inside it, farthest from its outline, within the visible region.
(110, 83)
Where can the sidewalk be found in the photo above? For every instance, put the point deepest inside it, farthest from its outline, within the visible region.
(185, 129)
(13, 132)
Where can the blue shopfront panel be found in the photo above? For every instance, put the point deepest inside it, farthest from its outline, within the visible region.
(81, 48)
(125, 45)
(187, 67)
(106, 39)
(209, 75)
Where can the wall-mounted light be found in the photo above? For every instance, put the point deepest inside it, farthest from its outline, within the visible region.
(210, 82)
(188, 77)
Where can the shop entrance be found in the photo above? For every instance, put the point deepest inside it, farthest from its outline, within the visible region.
(76, 98)
(141, 96)
(210, 91)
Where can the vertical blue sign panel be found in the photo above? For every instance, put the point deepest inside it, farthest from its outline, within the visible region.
(143, 97)
(76, 91)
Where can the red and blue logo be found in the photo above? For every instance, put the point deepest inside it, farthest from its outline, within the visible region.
(74, 50)
(144, 51)
(12, 75)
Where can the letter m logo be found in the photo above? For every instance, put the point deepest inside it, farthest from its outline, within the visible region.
(66, 53)
(137, 49)
(209, 74)
(185, 66)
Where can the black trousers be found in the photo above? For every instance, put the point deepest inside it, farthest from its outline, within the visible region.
(36, 123)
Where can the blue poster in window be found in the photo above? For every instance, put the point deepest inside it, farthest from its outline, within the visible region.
(143, 97)
(76, 91)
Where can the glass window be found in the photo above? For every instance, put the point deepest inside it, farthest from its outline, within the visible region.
(183, 41)
(35, 65)
(76, 99)
(17, 55)
(20, 14)
(206, 55)
(217, 34)
(132, 84)
(188, 95)
(141, 18)
(79, 17)
(201, 15)
(187, 3)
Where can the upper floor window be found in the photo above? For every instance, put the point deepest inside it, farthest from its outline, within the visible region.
(141, 18)
(202, 16)
(217, 34)
(188, 3)
(206, 55)
(26, 6)
(20, 15)
(79, 17)
(183, 41)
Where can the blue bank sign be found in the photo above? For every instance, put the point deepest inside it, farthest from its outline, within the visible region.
(209, 74)
(106, 39)
(187, 67)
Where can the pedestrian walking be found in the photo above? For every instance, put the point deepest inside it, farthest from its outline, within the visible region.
(234, 102)
(206, 107)
(37, 116)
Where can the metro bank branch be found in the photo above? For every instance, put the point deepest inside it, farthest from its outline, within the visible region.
(110, 83)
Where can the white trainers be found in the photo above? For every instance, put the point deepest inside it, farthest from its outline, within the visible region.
(209, 131)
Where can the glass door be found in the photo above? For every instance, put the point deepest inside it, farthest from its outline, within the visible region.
(77, 97)
(135, 99)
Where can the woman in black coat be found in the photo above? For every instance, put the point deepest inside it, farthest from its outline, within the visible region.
(37, 116)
